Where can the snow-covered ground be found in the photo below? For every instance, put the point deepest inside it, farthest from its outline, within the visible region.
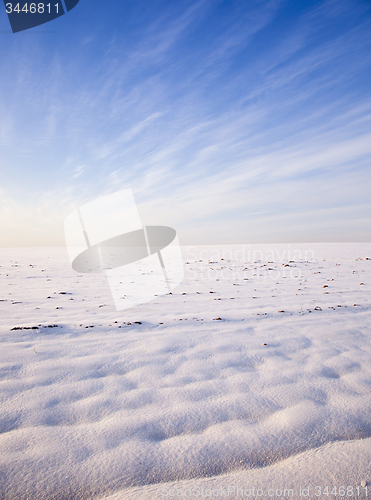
(252, 377)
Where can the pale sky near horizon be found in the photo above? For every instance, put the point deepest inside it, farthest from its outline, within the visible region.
(231, 121)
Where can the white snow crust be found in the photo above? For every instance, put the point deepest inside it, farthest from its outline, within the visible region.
(255, 372)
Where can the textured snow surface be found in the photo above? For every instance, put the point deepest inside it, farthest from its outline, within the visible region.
(256, 370)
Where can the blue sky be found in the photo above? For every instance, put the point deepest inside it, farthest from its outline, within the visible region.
(232, 121)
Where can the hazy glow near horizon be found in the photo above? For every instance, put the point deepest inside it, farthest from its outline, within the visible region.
(231, 121)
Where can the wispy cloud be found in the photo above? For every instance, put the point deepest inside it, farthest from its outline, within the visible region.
(212, 115)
